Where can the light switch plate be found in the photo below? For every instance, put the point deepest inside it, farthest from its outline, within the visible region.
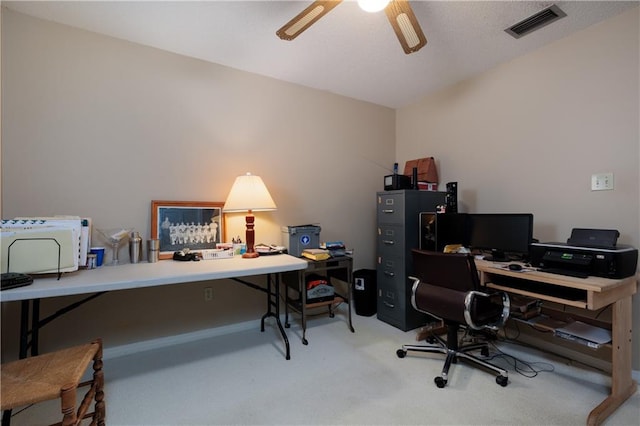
(602, 181)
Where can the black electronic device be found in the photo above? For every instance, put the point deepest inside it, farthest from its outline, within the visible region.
(451, 199)
(507, 235)
(15, 279)
(565, 259)
(515, 267)
(598, 238)
(396, 181)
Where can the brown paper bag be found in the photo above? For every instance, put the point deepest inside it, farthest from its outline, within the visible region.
(427, 171)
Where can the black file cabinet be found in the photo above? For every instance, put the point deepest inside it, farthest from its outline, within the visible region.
(398, 218)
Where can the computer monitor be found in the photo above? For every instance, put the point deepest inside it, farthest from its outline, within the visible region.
(451, 228)
(506, 235)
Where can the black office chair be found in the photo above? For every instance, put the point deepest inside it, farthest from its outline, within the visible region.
(446, 286)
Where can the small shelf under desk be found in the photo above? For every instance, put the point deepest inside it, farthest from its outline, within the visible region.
(591, 294)
(296, 305)
(335, 269)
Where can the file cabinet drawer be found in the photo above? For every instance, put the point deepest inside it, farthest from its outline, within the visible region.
(391, 208)
(390, 241)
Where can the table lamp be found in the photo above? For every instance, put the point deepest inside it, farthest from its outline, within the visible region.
(249, 194)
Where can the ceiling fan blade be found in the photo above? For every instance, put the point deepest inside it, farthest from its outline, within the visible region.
(306, 18)
(405, 25)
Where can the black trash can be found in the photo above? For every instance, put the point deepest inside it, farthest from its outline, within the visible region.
(364, 292)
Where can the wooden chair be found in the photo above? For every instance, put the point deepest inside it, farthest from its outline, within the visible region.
(56, 375)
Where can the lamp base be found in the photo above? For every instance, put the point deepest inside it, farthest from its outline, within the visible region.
(250, 255)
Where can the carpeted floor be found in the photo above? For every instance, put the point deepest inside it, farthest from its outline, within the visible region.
(339, 378)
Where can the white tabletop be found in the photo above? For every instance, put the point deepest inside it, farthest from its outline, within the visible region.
(164, 272)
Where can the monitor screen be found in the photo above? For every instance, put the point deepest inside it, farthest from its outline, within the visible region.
(452, 228)
(506, 235)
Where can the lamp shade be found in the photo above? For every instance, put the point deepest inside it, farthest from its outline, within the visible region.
(249, 193)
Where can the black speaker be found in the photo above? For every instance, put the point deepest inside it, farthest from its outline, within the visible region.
(451, 198)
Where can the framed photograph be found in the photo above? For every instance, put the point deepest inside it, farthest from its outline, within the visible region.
(195, 225)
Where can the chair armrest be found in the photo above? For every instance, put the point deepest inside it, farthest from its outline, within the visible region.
(414, 286)
(468, 304)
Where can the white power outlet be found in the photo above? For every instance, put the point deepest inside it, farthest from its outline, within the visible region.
(602, 181)
(208, 294)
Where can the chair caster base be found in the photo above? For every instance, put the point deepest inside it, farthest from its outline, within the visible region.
(401, 353)
(440, 382)
(502, 380)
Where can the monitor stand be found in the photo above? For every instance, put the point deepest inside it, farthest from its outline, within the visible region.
(497, 256)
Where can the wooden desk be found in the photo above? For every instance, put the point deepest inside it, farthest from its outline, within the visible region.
(128, 276)
(591, 293)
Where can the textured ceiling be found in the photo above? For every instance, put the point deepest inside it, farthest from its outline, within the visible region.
(349, 52)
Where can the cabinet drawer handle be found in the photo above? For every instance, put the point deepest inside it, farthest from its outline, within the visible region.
(389, 305)
(389, 274)
(387, 211)
(388, 242)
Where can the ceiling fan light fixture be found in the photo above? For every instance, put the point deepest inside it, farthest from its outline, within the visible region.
(373, 6)
(399, 13)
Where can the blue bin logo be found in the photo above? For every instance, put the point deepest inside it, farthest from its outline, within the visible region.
(305, 240)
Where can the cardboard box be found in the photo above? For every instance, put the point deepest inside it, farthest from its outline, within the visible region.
(298, 238)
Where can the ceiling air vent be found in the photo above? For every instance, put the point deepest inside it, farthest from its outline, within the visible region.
(535, 22)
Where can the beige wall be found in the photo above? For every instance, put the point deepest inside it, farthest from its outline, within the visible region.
(527, 135)
(99, 127)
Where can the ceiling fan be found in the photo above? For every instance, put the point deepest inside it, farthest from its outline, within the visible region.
(398, 12)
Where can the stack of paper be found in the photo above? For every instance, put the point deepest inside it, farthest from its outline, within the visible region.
(71, 234)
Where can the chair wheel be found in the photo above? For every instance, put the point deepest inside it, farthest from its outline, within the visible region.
(440, 382)
(401, 353)
(484, 351)
(502, 381)
(431, 340)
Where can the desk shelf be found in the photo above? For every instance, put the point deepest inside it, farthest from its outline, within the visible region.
(546, 328)
(582, 304)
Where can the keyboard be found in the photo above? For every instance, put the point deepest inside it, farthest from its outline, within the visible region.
(14, 279)
(566, 272)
